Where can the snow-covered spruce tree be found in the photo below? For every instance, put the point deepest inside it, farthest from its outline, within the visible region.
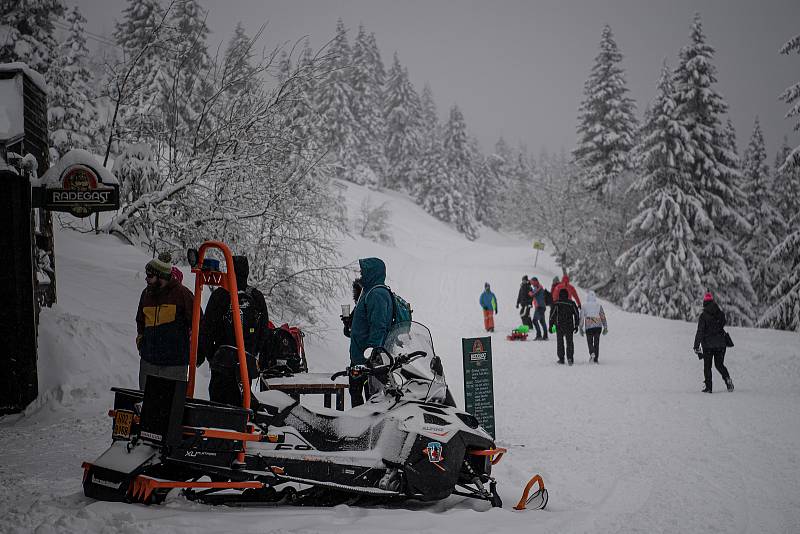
(784, 313)
(135, 85)
(518, 195)
(492, 183)
(606, 134)
(430, 134)
(712, 167)
(186, 75)
(334, 103)
(606, 121)
(459, 158)
(29, 32)
(238, 69)
(72, 110)
(402, 113)
(663, 265)
(768, 226)
(786, 183)
(792, 96)
(367, 77)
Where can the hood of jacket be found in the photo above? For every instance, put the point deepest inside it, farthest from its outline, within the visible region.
(591, 308)
(242, 269)
(565, 279)
(711, 308)
(373, 272)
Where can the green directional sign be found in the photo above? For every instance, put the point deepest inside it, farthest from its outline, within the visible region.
(478, 385)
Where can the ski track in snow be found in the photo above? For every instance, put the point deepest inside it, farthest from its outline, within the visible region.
(629, 445)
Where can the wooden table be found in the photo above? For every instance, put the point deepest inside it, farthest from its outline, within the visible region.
(311, 383)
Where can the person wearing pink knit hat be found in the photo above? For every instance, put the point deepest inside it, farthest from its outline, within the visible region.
(710, 343)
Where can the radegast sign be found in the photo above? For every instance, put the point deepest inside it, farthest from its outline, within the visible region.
(478, 382)
(77, 184)
(81, 193)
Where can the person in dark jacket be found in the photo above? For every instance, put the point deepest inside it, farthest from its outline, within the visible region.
(564, 316)
(539, 306)
(488, 304)
(218, 339)
(163, 323)
(525, 301)
(709, 342)
(372, 318)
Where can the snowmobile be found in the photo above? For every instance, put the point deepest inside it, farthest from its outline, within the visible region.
(409, 441)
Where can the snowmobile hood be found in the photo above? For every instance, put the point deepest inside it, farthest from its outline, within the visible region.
(373, 272)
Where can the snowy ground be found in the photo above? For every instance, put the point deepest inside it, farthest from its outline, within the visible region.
(630, 445)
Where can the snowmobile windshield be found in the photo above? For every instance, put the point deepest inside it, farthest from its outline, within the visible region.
(408, 337)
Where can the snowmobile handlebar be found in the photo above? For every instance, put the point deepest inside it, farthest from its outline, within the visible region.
(380, 370)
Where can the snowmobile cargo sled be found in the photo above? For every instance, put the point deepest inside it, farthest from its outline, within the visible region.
(409, 441)
(520, 333)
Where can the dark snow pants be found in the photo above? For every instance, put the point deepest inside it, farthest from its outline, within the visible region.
(525, 315)
(593, 340)
(358, 390)
(538, 319)
(560, 337)
(718, 355)
(225, 387)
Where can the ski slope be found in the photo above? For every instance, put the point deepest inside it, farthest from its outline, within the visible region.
(630, 445)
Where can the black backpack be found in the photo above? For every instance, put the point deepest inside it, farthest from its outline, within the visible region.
(283, 348)
(251, 321)
(548, 298)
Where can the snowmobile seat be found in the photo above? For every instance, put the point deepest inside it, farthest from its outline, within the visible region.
(331, 430)
(271, 407)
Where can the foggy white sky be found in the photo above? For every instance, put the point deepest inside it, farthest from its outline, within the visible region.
(516, 68)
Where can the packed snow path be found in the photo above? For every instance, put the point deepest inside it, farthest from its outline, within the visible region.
(629, 445)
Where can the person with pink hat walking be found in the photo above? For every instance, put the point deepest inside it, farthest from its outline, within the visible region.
(710, 343)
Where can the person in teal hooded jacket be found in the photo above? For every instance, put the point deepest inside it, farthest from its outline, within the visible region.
(372, 318)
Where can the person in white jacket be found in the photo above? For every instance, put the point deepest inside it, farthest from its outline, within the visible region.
(593, 322)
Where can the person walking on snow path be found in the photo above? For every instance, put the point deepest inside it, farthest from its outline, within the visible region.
(539, 307)
(593, 320)
(709, 342)
(564, 317)
(488, 303)
(564, 284)
(524, 301)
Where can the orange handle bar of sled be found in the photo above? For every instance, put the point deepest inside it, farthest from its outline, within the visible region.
(228, 281)
(524, 499)
(496, 454)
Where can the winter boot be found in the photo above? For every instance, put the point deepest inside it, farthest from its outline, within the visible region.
(569, 362)
(706, 389)
(729, 383)
(560, 362)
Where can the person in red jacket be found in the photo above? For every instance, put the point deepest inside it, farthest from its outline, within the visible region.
(564, 284)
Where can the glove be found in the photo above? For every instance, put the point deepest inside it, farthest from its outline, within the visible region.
(581, 332)
(516, 305)
(575, 331)
(605, 330)
(347, 321)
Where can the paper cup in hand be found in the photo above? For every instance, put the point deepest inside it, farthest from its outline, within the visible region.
(345, 310)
